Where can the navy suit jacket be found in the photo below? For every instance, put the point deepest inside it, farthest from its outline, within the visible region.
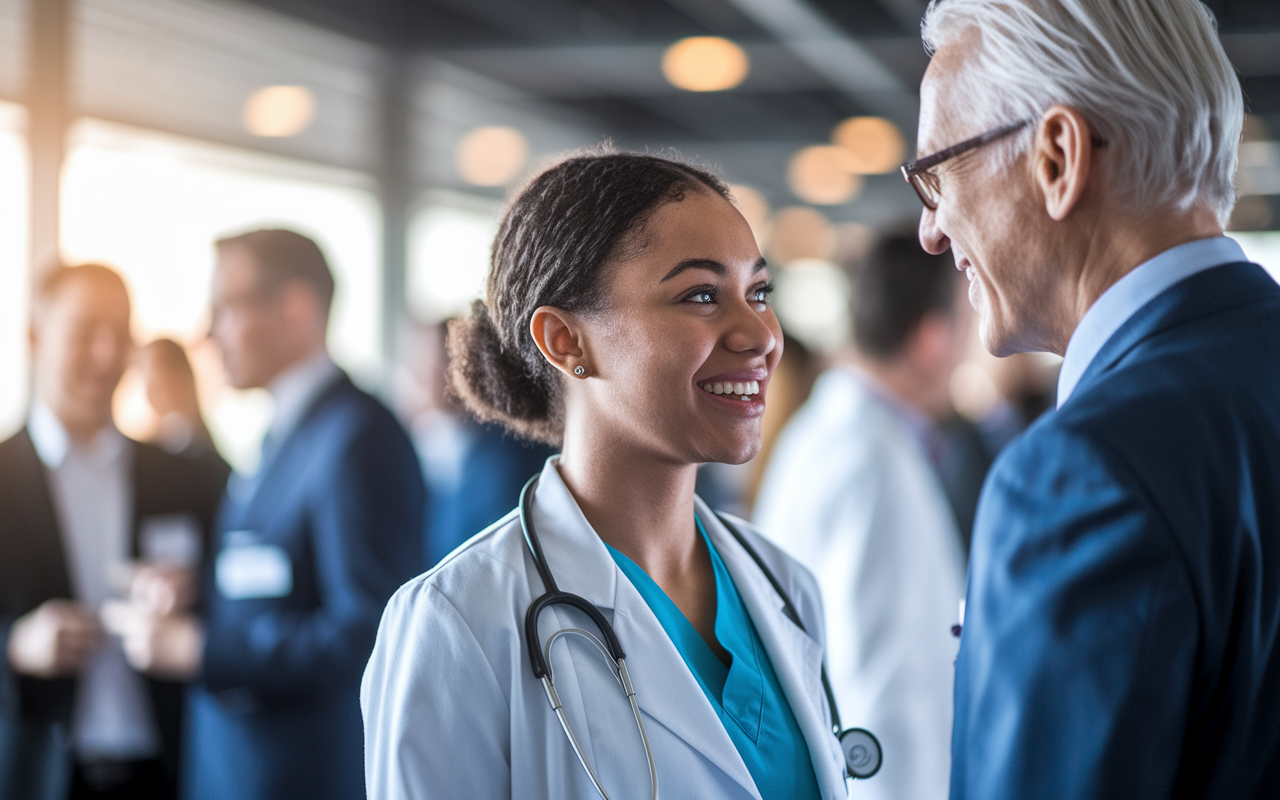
(1122, 632)
(277, 713)
(494, 470)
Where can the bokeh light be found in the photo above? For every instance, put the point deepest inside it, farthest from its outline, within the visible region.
(812, 303)
(705, 64)
(491, 156)
(755, 209)
(800, 233)
(823, 175)
(279, 111)
(875, 145)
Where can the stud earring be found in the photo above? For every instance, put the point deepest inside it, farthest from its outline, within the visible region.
(579, 370)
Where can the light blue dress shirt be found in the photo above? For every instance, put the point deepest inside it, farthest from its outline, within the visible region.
(1129, 294)
(745, 694)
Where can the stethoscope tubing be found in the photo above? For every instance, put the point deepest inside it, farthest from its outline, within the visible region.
(612, 648)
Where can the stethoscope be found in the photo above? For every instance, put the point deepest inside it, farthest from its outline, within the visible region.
(862, 752)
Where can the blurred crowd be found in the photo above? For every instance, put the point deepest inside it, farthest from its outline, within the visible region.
(174, 628)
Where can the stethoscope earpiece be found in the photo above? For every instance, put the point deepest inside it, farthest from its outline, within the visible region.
(862, 753)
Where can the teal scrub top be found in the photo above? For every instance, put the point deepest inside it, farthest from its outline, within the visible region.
(745, 694)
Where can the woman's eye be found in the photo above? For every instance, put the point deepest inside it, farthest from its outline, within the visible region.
(703, 297)
(763, 294)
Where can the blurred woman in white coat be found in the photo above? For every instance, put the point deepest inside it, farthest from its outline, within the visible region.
(627, 319)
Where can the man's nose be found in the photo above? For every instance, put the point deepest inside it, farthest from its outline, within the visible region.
(932, 239)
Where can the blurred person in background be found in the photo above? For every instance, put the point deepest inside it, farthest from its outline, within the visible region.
(853, 492)
(309, 548)
(474, 472)
(1123, 610)
(170, 386)
(79, 502)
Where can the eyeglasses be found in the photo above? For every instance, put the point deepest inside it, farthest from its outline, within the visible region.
(924, 180)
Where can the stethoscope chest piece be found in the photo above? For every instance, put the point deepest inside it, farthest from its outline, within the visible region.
(862, 753)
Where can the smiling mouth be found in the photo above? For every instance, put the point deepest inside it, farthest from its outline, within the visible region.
(741, 390)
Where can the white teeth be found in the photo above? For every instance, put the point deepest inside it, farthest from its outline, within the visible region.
(742, 389)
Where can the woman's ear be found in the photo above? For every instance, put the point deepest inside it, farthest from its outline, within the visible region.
(559, 336)
(1062, 157)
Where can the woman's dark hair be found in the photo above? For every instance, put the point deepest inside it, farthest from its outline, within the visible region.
(554, 242)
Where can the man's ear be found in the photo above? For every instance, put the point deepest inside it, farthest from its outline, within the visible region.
(559, 336)
(1062, 158)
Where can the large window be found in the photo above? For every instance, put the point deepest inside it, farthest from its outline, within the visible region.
(15, 285)
(448, 254)
(1263, 248)
(152, 205)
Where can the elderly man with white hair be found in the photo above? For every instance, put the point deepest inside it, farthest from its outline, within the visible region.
(1122, 635)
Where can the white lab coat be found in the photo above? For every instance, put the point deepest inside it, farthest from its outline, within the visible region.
(452, 710)
(850, 493)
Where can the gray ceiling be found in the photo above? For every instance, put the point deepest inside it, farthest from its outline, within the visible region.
(568, 73)
(814, 63)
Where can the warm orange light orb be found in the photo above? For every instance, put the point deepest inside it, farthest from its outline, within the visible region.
(705, 64)
(823, 175)
(755, 209)
(491, 156)
(279, 111)
(799, 233)
(876, 145)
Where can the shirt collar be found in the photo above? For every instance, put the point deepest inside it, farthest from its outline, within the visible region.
(1129, 294)
(295, 389)
(53, 444)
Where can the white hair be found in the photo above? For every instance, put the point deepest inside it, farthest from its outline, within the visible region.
(1150, 76)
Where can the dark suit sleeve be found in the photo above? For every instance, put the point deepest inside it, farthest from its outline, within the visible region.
(1080, 633)
(366, 520)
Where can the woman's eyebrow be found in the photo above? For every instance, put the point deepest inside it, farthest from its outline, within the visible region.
(707, 264)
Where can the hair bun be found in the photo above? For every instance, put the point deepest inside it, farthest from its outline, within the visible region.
(495, 384)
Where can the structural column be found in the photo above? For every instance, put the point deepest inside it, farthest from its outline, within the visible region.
(396, 185)
(48, 110)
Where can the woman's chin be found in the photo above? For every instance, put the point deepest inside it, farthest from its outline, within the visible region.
(732, 452)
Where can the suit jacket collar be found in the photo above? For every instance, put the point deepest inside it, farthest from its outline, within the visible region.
(1212, 291)
(246, 492)
(52, 443)
(582, 565)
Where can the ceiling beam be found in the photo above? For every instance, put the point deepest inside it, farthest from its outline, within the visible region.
(1253, 54)
(906, 13)
(850, 67)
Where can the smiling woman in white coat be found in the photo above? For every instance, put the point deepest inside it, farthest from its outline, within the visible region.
(627, 320)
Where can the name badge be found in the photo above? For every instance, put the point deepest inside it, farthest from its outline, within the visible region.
(170, 540)
(247, 571)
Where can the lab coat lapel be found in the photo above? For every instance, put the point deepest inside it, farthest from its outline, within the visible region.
(666, 690)
(795, 656)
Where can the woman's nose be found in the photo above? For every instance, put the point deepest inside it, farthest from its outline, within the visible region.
(751, 332)
(932, 239)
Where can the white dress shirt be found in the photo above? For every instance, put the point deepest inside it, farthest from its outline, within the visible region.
(92, 488)
(1129, 294)
(850, 493)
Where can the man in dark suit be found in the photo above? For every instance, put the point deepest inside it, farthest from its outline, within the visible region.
(78, 502)
(309, 548)
(1122, 631)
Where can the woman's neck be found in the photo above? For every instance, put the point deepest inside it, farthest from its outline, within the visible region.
(638, 503)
